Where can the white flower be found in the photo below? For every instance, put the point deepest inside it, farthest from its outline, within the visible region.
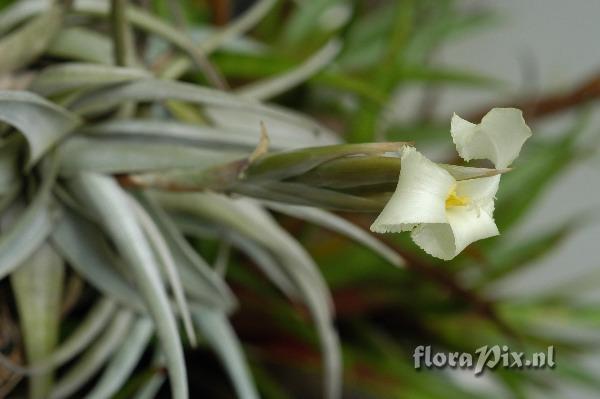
(443, 213)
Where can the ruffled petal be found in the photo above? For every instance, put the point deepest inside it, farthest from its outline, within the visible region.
(465, 226)
(419, 197)
(436, 239)
(499, 137)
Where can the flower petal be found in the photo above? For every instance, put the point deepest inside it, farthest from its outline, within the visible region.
(499, 137)
(470, 225)
(465, 226)
(420, 195)
(436, 239)
(479, 191)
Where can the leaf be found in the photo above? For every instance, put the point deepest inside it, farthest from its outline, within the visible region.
(86, 250)
(27, 43)
(339, 225)
(163, 253)
(86, 331)
(118, 221)
(30, 229)
(106, 155)
(68, 76)
(215, 328)
(155, 130)
(199, 279)
(81, 44)
(42, 123)
(301, 194)
(248, 219)
(38, 286)
(124, 361)
(160, 90)
(272, 87)
(94, 358)
(267, 263)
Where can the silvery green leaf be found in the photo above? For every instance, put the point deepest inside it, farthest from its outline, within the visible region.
(18, 12)
(86, 331)
(68, 76)
(94, 358)
(269, 88)
(81, 44)
(124, 361)
(157, 130)
(87, 251)
(28, 231)
(165, 257)
(267, 263)
(42, 123)
(106, 155)
(122, 227)
(175, 132)
(310, 283)
(340, 225)
(215, 328)
(250, 220)
(28, 42)
(297, 135)
(160, 90)
(199, 280)
(260, 255)
(37, 285)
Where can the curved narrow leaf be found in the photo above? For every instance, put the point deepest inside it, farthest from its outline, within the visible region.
(68, 76)
(274, 86)
(250, 220)
(81, 44)
(156, 130)
(340, 225)
(124, 361)
(42, 123)
(37, 286)
(28, 232)
(165, 257)
(88, 253)
(87, 330)
(94, 358)
(27, 43)
(199, 279)
(121, 225)
(105, 155)
(261, 256)
(268, 264)
(160, 90)
(215, 328)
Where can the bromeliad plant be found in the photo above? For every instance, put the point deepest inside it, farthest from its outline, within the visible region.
(110, 164)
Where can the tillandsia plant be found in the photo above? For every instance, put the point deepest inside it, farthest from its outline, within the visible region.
(125, 152)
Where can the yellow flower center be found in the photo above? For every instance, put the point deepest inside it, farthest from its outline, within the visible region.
(454, 200)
